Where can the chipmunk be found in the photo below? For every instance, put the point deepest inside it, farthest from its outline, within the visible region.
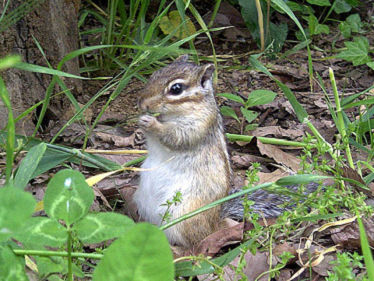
(187, 153)
(186, 150)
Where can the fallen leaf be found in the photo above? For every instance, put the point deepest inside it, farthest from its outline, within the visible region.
(217, 240)
(279, 156)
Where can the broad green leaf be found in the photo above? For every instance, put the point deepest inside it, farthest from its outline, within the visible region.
(322, 28)
(232, 97)
(354, 22)
(357, 51)
(259, 97)
(299, 110)
(316, 28)
(351, 24)
(95, 228)
(68, 197)
(249, 115)
(341, 6)
(16, 206)
(300, 179)
(169, 24)
(12, 267)
(43, 231)
(9, 61)
(29, 165)
(57, 265)
(319, 2)
(278, 34)
(250, 127)
(140, 255)
(228, 111)
(345, 29)
(370, 64)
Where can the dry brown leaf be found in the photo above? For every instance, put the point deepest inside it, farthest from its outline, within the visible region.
(246, 160)
(354, 175)
(325, 266)
(118, 141)
(223, 237)
(273, 176)
(278, 132)
(279, 156)
(348, 236)
(255, 265)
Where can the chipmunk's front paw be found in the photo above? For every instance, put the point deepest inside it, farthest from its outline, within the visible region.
(148, 122)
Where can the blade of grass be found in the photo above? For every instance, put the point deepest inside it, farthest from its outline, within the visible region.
(11, 131)
(366, 251)
(340, 122)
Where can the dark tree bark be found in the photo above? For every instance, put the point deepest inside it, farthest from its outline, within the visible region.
(54, 25)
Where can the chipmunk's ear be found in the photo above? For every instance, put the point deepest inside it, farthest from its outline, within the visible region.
(182, 58)
(206, 75)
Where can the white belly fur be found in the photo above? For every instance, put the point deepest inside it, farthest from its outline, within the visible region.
(170, 173)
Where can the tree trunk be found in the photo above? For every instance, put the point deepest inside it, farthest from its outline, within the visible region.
(54, 25)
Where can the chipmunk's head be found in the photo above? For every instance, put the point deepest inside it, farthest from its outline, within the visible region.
(178, 88)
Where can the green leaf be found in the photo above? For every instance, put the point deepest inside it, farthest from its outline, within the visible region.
(316, 28)
(16, 206)
(9, 61)
(12, 267)
(232, 97)
(68, 197)
(259, 97)
(366, 251)
(281, 4)
(172, 24)
(43, 231)
(95, 228)
(357, 51)
(300, 179)
(45, 70)
(278, 34)
(49, 267)
(299, 110)
(249, 115)
(142, 254)
(354, 22)
(29, 165)
(341, 6)
(345, 29)
(250, 127)
(228, 111)
(370, 64)
(319, 2)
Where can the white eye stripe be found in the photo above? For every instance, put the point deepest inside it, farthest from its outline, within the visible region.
(182, 81)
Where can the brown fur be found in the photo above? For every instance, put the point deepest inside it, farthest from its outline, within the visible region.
(189, 126)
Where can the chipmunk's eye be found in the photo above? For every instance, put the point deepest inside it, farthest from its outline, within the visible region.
(177, 88)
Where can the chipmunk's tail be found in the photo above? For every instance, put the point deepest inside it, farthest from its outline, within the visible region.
(267, 204)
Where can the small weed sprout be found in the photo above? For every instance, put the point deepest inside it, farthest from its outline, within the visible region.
(177, 198)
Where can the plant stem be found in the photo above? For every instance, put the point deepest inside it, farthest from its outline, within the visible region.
(214, 13)
(260, 18)
(235, 137)
(44, 253)
(70, 267)
(340, 120)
